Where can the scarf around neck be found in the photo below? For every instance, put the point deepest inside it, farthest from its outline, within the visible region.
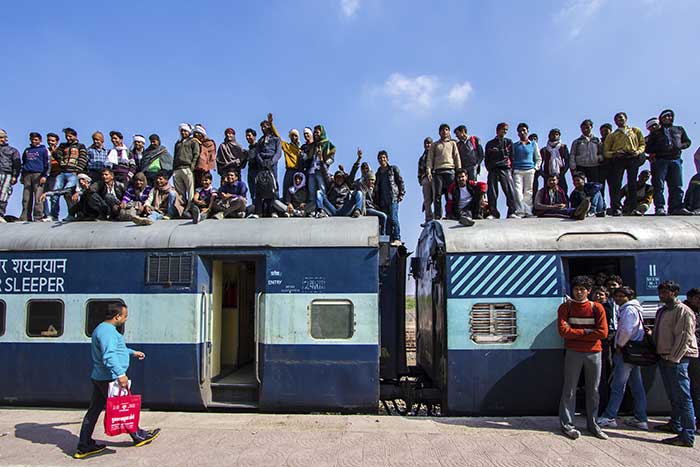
(556, 162)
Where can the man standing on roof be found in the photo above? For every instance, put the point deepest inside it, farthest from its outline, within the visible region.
(10, 165)
(292, 157)
(471, 153)
(207, 154)
(587, 153)
(443, 159)
(187, 150)
(582, 325)
(497, 159)
(666, 144)
(424, 182)
(624, 148)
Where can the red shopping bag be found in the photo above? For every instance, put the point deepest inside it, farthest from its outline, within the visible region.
(122, 414)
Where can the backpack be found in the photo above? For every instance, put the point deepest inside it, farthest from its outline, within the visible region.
(265, 184)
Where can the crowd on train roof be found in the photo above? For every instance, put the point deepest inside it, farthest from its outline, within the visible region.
(144, 182)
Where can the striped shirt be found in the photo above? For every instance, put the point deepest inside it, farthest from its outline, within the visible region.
(582, 325)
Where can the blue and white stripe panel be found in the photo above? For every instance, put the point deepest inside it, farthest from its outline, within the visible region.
(505, 275)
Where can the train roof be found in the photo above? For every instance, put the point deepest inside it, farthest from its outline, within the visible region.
(183, 234)
(552, 234)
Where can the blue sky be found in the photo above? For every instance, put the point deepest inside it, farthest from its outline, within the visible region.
(378, 74)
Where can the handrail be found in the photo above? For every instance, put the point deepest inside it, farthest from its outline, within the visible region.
(203, 337)
(614, 232)
(257, 335)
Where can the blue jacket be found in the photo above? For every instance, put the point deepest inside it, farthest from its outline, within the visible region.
(525, 156)
(35, 160)
(110, 355)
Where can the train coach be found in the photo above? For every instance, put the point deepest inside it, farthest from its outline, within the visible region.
(487, 299)
(270, 314)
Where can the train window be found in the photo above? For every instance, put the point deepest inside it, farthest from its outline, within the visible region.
(493, 323)
(95, 313)
(2, 317)
(169, 270)
(45, 318)
(332, 319)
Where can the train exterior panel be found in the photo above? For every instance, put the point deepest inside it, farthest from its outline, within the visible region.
(285, 312)
(494, 293)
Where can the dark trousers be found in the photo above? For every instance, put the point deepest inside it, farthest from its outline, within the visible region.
(471, 172)
(97, 405)
(669, 171)
(501, 176)
(618, 168)
(592, 173)
(694, 375)
(604, 172)
(32, 207)
(441, 182)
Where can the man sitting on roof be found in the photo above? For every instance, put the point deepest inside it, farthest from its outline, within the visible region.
(230, 199)
(587, 190)
(110, 192)
(86, 205)
(338, 199)
(692, 195)
(134, 197)
(551, 201)
(464, 199)
(163, 203)
(645, 193)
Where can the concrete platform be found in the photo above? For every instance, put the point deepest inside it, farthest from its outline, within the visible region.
(48, 437)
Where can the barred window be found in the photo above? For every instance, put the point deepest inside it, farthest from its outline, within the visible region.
(493, 323)
(331, 319)
(96, 312)
(649, 310)
(45, 318)
(169, 270)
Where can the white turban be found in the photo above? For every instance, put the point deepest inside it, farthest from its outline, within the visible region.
(139, 138)
(199, 128)
(185, 126)
(294, 131)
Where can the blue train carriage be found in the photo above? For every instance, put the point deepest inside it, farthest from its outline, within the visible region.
(487, 300)
(280, 315)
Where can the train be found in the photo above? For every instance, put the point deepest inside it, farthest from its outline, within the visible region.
(300, 315)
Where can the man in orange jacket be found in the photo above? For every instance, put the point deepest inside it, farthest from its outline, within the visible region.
(582, 325)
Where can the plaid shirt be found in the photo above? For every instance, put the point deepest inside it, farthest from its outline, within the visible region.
(97, 158)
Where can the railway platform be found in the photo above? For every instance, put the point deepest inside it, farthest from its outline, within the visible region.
(48, 437)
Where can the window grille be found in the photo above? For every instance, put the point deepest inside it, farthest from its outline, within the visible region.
(493, 323)
(649, 312)
(169, 270)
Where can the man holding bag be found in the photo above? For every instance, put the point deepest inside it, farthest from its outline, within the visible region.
(110, 357)
(630, 328)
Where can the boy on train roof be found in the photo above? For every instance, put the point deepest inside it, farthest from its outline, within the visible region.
(582, 325)
(110, 362)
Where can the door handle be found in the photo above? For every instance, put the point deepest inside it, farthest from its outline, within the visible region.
(258, 334)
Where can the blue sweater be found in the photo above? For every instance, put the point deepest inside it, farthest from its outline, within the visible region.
(110, 355)
(35, 160)
(524, 156)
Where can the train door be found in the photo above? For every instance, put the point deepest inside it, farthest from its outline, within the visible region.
(233, 371)
(623, 266)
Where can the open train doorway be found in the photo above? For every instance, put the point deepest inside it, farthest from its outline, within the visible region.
(233, 373)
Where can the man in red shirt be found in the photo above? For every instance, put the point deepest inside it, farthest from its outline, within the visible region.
(582, 325)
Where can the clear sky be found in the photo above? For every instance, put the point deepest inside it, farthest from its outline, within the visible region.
(378, 74)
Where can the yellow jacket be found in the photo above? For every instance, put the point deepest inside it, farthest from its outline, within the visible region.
(628, 139)
(291, 151)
